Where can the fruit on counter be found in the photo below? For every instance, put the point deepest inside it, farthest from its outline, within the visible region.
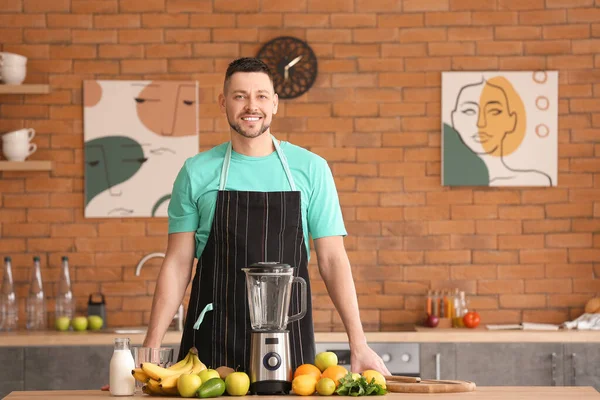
(325, 386)
(62, 323)
(237, 383)
(188, 384)
(304, 385)
(432, 321)
(373, 376)
(325, 359)
(308, 369)
(80, 323)
(355, 375)
(593, 306)
(335, 373)
(95, 322)
(471, 319)
(224, 371)
(197, 367)
(212, 388)
(360, 387)
(207, 374)
(139, 375)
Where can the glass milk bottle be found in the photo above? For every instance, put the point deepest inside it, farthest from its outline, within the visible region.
(64, 298)
(9, 311)
(36, 302)
(121, 380)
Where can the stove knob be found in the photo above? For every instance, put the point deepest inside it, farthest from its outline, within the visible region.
(272, 361)
(405, 357)
(386, 357)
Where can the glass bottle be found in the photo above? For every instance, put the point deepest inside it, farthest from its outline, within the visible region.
(9, 310)
(64, 298)
(36, 301)
(121, 380)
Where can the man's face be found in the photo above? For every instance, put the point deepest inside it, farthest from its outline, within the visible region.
(482, 118)
(249, 101)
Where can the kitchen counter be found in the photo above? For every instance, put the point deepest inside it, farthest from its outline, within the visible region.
(482, 393)
(423, 335)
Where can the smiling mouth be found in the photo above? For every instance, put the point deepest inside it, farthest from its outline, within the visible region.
(481, 137)
(253, 118)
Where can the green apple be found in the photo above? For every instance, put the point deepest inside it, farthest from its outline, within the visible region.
(207, 374)
(95, 322)
(237, 384)
(62, 323)
(187, 384)
(79, 323)
(325, 359)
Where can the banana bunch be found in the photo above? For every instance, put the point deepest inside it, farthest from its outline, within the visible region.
(163, 381)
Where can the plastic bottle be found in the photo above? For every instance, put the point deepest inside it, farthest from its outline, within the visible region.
(121, 381)
(64, 297)
(36, 301)
(9, 310)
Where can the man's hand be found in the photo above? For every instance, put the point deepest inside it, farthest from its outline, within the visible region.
(362, 358)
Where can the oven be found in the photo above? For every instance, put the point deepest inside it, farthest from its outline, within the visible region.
(399, 358)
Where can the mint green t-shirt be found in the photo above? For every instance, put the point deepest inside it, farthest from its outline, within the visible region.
(194, 196)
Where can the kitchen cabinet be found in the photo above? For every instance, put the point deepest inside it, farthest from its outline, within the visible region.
(11, 370)
(510, 364)
(438, 360)
(582, 365)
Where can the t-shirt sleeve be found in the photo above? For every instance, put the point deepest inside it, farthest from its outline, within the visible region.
(324, 211)
(182, 211)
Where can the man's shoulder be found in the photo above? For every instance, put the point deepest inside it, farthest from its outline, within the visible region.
(209, 156)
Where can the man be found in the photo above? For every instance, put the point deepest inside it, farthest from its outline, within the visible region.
(250, 200)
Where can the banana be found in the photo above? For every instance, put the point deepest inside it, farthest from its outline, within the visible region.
(171, 391)
(169, 382)
(158, 373)
(140, 375)
(181, 363)
(197, 364)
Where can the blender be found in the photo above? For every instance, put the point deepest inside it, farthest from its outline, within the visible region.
(269, 289)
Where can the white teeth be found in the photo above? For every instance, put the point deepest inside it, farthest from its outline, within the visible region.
(251, 119)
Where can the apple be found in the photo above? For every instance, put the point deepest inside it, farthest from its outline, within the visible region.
(325, 359)
(207, 374)
(432, 321)
(62, 323)
(79, 323)
(188, 384)
(237, 384)
(95, 322)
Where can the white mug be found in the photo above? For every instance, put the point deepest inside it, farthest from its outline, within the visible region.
(13, 74)
(12, 59)
(22, 135)
(18, 151)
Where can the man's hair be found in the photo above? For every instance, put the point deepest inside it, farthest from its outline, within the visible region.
(247, 64)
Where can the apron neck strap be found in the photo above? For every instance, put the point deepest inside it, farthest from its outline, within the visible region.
(282, 158)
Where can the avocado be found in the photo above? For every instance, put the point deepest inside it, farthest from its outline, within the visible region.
(214, 387)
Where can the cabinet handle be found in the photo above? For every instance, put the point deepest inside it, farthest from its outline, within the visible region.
(553, 355)
(438, 358)
(574, 368)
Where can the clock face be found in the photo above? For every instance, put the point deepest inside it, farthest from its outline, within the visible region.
(292, 63)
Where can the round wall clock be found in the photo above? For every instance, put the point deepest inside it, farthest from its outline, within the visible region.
(293, 65)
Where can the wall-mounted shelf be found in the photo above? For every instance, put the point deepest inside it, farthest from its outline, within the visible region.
(25, 165)
(24, 89)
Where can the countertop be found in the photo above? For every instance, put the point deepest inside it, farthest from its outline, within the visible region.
(422, 335)
(481, 393)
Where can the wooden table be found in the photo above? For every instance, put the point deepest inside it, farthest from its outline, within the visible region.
(482, 393)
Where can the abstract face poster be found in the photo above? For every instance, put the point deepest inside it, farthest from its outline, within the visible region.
(137, 136)
(500, 128)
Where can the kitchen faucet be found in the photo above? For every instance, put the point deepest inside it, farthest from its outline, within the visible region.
(138, 269)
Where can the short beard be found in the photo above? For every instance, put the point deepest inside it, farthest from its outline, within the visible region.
(239, 130)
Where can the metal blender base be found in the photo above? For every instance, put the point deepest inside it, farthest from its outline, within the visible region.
(271, 387)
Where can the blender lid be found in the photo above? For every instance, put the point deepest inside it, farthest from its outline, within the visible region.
(269, 266)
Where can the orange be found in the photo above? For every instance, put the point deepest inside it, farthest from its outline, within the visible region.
(335, 373)
(308, 369)
(304, 385)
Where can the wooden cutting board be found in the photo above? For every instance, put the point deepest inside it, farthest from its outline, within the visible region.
(402, 384)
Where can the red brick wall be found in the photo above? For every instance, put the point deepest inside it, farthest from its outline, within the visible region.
(374, 114)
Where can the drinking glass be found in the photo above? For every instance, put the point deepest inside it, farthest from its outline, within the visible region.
(161, 356)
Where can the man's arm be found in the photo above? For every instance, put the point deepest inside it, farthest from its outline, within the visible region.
(334, 268)
(171, 284)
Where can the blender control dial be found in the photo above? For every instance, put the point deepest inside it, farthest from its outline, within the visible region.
(272, 361)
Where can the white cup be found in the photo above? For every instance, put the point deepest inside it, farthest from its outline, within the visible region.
(18, 151)
(12, 59)
(22, 135)
(13, 74)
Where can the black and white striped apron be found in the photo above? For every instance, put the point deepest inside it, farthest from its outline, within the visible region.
(248, 227)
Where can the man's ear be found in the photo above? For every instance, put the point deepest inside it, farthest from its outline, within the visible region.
(275, 103)
(222, 102)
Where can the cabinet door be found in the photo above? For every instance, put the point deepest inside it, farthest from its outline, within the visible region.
(11, 370)
(582, 365)
(510, 364)
(438, 360)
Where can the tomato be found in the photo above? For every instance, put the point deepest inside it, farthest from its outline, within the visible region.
(471, 319)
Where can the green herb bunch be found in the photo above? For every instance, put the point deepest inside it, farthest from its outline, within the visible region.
(348, 386)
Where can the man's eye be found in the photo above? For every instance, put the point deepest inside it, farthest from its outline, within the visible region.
(188, 102)
(468, 111)
(239, 96)
(139, 100)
